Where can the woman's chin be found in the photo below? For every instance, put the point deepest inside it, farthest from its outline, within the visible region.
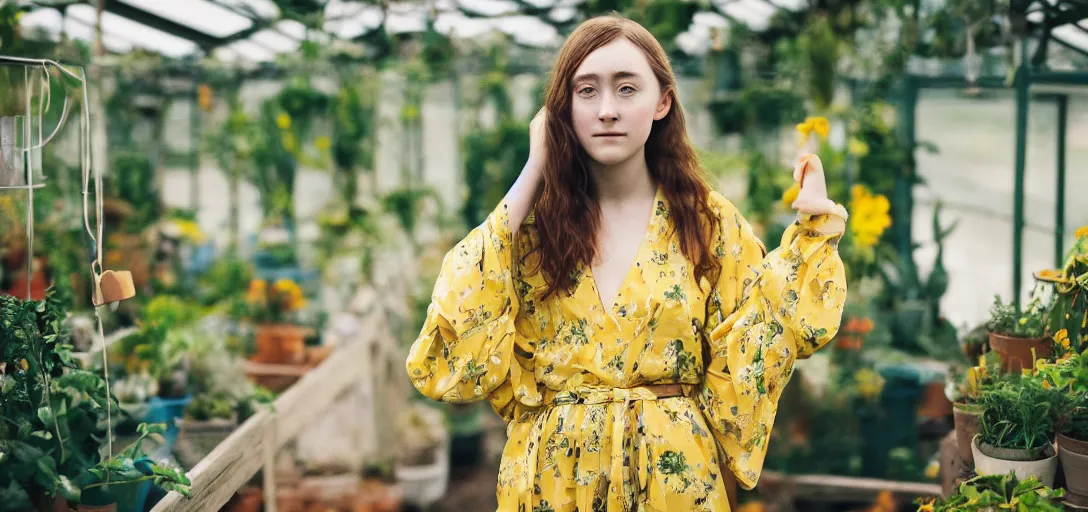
(610, 156)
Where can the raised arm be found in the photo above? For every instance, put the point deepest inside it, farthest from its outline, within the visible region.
(763, 314)
(466, 348)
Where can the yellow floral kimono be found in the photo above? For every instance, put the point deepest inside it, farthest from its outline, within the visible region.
(566, 374)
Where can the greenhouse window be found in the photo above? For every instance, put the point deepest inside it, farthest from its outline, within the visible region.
(202, 15)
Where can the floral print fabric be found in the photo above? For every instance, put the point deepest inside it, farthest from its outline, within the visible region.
(567, 374)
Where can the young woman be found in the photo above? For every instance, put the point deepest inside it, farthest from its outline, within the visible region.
(619, 314)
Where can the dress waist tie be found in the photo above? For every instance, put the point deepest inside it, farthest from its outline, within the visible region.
(621, 397)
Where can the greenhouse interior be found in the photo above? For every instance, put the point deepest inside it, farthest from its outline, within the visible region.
(222, 223)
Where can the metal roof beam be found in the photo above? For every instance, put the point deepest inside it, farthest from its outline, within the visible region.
(203, 40)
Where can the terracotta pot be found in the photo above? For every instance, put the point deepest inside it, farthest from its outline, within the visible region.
(967, 424)
(990, 460)
(281, 344)
(112, 507)
(1017, 352)
(290, 500)
(249, 499)
(934, 403)
(38, 281)
(377, 496)
(1073, 454)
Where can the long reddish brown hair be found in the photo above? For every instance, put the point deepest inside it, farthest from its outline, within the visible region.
(567, 212)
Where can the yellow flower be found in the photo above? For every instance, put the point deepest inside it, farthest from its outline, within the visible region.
(190, 230)
(323, 143)
(752, 506)
(790, 195)
(869, 383)
(933, 469)
(289, 142)
(1081, 232)
(869, 216)
(818, 125)
(257, 290)
(858, 147)
(24, 365)
(1061, 338)
(926, 506)
(283, 121)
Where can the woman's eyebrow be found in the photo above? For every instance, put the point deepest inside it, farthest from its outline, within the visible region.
(594, 77)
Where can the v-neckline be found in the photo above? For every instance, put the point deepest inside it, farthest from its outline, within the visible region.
(609, 307)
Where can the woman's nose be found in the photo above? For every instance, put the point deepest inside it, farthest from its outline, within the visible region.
(608, 109)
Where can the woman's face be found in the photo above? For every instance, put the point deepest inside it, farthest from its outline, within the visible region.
(616, 99)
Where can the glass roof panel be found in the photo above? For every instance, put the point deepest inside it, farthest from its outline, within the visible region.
(263, 9)
(275, 41)
(249, 51)
(563, 13)
(292, 29)
(489, 7)
(1072, 35)
(529, 30)
(202, 15)
(406, 20)
(348, 20)
(754, 13)
(47, 21)
(139, 34)
(457, 25)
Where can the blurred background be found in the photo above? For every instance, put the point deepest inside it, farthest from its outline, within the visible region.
(282, 178)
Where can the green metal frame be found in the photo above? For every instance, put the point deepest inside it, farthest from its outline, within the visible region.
(1024, 78)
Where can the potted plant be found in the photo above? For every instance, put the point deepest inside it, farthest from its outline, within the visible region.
(1020, 339)
(279, 339)
(965, 409)
(422, 465)
(1017, 430)
(208, 420)
(1069, 307)
(55, 417)
(1070, 377)
(992, 493)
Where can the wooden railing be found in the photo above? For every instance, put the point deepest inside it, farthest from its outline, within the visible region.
(255, 443)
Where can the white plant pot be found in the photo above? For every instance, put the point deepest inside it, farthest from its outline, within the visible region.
(1043, 469)
(425, 485)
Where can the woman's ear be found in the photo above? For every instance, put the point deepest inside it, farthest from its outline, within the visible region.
(663, 105)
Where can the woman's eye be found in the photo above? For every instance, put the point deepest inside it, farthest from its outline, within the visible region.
(627, 89)
(585, 90)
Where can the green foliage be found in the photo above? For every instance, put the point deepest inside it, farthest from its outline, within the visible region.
(493, 161)
(1004, 319)
(998, 492)
(1019, 414)
(132, 180)
(406, 204)
(54, 414)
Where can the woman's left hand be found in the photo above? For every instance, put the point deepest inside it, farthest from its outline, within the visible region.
(812, 199)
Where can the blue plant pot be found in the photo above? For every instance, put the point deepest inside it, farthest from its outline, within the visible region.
(166, 410)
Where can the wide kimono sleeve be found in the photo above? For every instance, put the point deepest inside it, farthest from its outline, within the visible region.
(466, 348)
(763, 314)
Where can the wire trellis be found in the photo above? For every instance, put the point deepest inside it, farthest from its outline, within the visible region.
(20, 155)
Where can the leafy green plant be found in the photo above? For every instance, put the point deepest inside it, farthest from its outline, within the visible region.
(1004, 319)
(1019, 414)
(997, 492)
(54, 413)
(130, 466)
(205, 407)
